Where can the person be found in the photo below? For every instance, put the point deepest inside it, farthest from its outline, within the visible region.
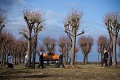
(26, 60)
(41, 60)
(10, 61)
(60, 59)
(105, 59)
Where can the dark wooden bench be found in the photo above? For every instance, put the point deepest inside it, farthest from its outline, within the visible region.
(54, 61)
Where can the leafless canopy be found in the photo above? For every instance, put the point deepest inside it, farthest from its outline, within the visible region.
(50, 44)
(3, 18)
(34, 20)
(85, 44)
(72, 22)
(112, 21)
(64, 44)
(42, 48)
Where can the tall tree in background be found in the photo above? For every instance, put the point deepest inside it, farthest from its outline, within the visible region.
(33, 20)
(71, 25)
(85, 44)
(3, 18)
(112, 22)
(65, 45)
(102, 44)
(50, 45)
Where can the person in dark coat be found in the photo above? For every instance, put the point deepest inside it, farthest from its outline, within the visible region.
(61, 60)
(41, 60)
(105, 59)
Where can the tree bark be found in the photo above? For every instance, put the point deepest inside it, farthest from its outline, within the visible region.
(34, 53)
(114, 51)
(29, 53)
(85, 60)
(72, 56)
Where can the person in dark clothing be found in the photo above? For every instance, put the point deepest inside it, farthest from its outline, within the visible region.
(105, 59)
(8, 60)
(61, 60)
(41, 60)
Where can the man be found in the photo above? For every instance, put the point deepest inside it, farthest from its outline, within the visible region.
(61, 60)
(41, 60)
(105, 60)
(10, 61)
(26, 60)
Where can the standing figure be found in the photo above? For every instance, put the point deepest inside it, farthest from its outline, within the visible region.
(26, 60)
(41, 60)
(61, 60)
(10, 61)
(8, 58)
(105, 59)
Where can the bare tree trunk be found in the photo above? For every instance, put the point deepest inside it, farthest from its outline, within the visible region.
(29, 53)
(114, 51)
(98, 57)
(4, 59)
(34, 53)
(85, 60)
(101, 57)
(72, 55)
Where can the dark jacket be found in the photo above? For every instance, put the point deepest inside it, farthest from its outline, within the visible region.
(61, 57)
(106, 55)
(41, 57)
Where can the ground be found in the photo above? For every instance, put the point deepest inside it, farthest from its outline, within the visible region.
(77, 72)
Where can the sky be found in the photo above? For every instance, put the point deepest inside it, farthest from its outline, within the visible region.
(55, 13)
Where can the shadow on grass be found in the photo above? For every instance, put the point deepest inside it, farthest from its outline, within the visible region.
(14, 71)
(24, 76)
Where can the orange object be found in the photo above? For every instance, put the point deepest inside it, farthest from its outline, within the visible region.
(51, 56)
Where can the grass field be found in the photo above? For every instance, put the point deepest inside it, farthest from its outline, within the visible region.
(79, 72)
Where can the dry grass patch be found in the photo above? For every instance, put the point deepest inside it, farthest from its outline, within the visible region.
(78, 72)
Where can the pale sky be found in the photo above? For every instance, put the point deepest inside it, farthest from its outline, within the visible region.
(55, 12)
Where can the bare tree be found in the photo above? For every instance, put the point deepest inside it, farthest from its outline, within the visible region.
(50, 44)
(42, 48)
(72, 24)
(85, 44)
(102, 44)
(65, 45)
(33, 20)
(112, 22)
(3, 18)
(3, 40)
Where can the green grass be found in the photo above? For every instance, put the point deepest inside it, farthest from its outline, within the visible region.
(80, 72)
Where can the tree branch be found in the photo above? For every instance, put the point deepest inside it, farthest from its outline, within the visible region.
(80, 33)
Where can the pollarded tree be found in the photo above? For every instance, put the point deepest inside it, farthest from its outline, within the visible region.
(85, 44)
(34, 21)
(42, 48)
(3, 18)
(50, 44)
(65, 45)
(71, 25)
(112, 22)
(102, 44)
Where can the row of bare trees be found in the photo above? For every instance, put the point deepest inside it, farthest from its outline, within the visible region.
(35, 23)
(8, 44)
